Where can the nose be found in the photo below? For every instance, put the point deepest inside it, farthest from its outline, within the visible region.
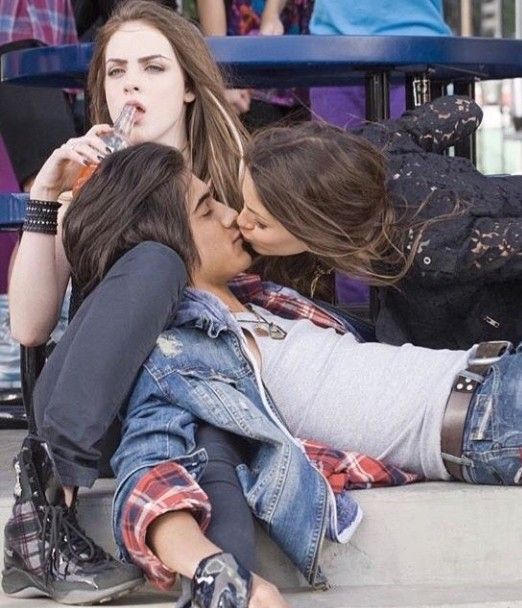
(228, 216)
(131, 80)
(243, 220)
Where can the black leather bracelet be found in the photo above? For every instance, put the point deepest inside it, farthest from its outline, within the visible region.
(41, 216)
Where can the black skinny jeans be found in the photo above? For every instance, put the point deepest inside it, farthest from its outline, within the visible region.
(90, 373)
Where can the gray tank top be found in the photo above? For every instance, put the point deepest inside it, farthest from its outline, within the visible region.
(381, 400)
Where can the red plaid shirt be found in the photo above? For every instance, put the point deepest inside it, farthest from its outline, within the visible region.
(168, 487)
(281, 301)
(50, 21)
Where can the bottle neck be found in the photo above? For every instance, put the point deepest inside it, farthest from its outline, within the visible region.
(125, 121)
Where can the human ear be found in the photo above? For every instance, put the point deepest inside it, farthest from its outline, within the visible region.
(189, 96)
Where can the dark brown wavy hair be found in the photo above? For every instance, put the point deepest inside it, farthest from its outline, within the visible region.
(123, 205)
(215, 134)
(327, 187)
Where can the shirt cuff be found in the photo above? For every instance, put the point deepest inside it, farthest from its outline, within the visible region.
(166, 487)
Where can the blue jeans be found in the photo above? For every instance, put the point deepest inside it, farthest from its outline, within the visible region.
(492, 444)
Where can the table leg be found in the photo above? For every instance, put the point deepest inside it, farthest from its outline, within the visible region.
(418, 89)
(377, 96)
(467, 148)
(438, 88)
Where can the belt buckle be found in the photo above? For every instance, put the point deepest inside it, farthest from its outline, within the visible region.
(504, 347)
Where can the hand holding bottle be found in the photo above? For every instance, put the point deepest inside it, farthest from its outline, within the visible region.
(73, 163)
(60, 171)
(117, 139)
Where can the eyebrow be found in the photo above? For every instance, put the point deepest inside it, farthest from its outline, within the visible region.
(203, 198)
(140, 60)
(258, 214)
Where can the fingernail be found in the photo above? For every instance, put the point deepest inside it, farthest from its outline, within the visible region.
(108, 149)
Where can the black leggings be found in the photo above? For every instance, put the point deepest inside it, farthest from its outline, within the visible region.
(232, 524)
(90, 373)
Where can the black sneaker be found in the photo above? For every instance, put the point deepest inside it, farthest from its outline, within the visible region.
(46, 552)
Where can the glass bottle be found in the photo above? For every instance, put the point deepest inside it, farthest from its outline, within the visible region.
(117, 139)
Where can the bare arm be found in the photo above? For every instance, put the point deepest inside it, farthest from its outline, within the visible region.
(271, 24)
(37, 286)
(177, 540)
(41, 271)
(213, 17)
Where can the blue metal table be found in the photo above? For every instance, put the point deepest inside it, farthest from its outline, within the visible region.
(427, 63)
(300, 60)
(12, 210)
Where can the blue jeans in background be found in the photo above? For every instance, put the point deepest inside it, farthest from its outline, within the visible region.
(492, 445)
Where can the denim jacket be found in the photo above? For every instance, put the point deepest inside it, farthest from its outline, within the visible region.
(202, 370)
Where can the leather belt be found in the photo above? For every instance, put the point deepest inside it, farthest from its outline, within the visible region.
(462, 391)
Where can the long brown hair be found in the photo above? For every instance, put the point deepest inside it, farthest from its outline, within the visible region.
(327, 187)
(122, 205)
(215, 134)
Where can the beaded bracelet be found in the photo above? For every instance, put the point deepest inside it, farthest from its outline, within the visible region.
(41, 216)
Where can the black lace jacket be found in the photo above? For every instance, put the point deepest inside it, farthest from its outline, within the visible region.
(466, 283)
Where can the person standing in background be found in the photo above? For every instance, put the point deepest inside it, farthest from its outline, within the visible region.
(345, 106)
(34, 121)
(266, 17)
(92, 14)
(50, 21)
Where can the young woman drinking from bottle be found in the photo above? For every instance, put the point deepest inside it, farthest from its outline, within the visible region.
(148, 57)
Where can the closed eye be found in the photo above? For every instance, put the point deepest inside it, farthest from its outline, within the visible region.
(205, 209)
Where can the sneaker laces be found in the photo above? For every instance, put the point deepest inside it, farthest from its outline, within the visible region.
(60, 527)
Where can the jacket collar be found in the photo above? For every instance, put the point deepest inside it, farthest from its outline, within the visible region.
(203, 310)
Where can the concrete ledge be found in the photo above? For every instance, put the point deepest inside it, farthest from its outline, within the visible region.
(429, 596)
(425, 534)
(418, 596)
(428, 544)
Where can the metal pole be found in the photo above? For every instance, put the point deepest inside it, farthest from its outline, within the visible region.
(377, 96)
(467, 147)
(466, 18)
(517, 82)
